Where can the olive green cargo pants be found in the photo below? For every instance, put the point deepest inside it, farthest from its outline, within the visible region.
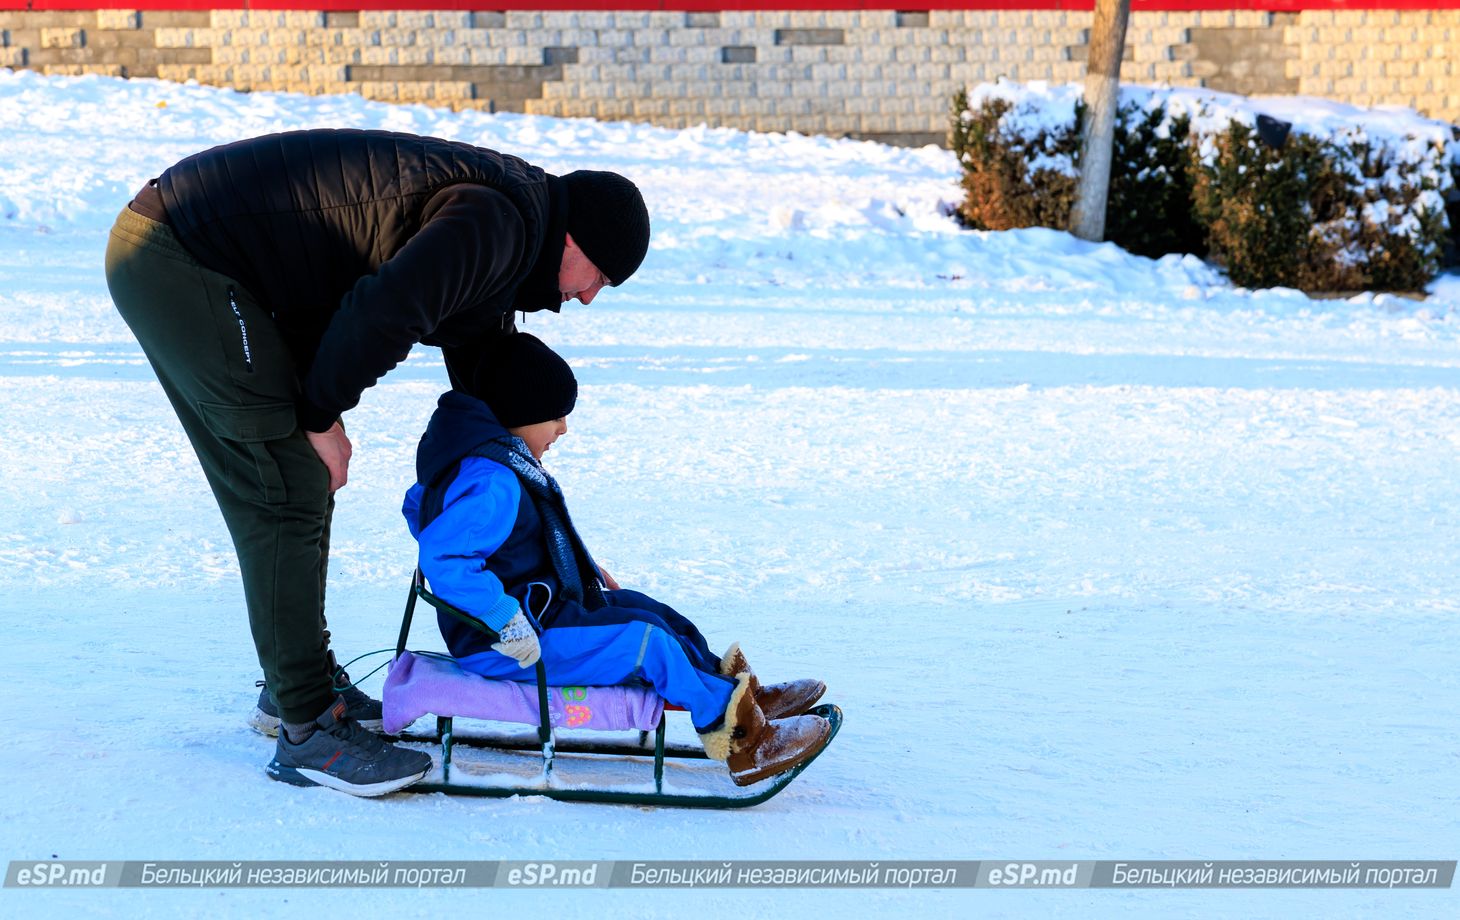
(230, 378)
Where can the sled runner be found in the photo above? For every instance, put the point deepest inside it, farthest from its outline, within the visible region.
(528, 763)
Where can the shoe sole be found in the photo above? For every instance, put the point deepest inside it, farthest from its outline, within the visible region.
(268, 725)
(264, 724)
(302, 776)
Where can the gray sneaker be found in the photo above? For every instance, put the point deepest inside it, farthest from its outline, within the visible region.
(359, 706)
(342, 755)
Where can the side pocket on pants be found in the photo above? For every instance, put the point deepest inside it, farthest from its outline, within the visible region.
(245, 431)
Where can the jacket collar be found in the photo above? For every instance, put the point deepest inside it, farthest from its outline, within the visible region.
(540, 291)
(459, 425)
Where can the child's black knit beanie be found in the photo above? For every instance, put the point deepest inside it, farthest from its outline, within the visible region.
(523, 381)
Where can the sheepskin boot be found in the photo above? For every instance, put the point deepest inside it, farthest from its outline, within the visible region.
(753, 748)
(777, 701)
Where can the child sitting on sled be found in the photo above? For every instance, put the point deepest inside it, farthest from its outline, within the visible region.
(496, 542)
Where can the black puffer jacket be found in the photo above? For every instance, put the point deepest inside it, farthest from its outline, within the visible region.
(363, 243)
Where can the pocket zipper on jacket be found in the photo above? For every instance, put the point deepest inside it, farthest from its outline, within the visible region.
(242, 331)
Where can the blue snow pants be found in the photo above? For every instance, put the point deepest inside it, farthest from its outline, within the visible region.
(634, 639)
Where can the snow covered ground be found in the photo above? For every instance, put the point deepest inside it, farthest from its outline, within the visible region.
(1103, 558)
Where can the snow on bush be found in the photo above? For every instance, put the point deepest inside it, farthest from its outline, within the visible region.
(1349, 199)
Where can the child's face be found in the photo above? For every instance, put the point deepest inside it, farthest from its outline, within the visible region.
(541, 435)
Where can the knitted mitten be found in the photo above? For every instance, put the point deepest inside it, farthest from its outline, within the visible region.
(519, 640)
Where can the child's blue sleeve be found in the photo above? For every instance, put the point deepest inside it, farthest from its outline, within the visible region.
(477, 516)
(411, 509)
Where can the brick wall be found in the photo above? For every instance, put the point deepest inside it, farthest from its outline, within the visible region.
(882, 74)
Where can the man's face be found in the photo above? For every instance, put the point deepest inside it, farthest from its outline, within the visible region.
(578, 277)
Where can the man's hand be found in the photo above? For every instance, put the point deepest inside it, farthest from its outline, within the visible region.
(608, 579)
(334, 450)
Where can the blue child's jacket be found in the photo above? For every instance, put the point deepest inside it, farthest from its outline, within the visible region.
(486, 547)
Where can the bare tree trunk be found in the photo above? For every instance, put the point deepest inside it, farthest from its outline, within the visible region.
(1102, 87)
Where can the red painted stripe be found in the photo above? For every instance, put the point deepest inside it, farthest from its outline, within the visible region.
(331, 760)
(1275, 6)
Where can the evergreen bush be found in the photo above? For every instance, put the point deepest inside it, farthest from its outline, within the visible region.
(1332, 211)
(1321, 214)
(1026, 178)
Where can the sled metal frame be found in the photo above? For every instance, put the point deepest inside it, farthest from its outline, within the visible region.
(547, 742)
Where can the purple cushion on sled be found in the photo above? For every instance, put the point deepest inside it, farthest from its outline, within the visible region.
(422, 684)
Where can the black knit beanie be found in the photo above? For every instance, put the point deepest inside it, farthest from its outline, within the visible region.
(523, 381)
(608, 221)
